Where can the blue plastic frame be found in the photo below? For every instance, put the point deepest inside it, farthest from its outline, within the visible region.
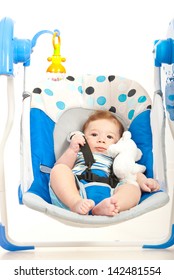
(164, 245)
(164, 52)
(6, 46)
(7, 245)
(13, 50)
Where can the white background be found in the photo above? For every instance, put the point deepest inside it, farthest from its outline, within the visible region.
(112, 37)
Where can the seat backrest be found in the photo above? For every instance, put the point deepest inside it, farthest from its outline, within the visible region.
(58, 108)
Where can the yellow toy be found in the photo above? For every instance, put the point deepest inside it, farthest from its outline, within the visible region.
(56, 69)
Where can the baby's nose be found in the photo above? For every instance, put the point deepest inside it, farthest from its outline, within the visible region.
(101, 139)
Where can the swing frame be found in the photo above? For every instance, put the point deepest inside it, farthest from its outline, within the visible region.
(5, 241)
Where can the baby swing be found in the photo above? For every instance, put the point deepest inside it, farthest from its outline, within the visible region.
(58, 106)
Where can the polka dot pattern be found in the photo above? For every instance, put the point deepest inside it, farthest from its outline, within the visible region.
(117, 94)
(80, 89)
(112, 109)
(101, 100)
(37, 90)
(170, 99)
(60, 105)
(70, 78)
(111, 78)
(122, 97)
(89, 90)
(142, 99)
(100, 79)
(131, 114)
(131, 93)
(48, 91)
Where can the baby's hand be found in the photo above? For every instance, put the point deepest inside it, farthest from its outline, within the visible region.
(77, 140)
(149, 185)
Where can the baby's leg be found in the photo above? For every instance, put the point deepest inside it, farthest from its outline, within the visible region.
(63, 183)
(127, 195)
(107, 207)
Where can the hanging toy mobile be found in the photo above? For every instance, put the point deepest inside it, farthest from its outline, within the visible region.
(56, 71)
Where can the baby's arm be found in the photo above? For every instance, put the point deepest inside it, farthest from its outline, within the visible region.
(147, 184)
(69, 156)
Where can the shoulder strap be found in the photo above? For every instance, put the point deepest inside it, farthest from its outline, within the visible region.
(112, 180)
(87, 154)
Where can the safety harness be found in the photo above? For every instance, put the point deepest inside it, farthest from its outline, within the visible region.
(88, 175)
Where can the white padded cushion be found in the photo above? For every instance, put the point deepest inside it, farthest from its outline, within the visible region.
(67, 217)
(123, 96)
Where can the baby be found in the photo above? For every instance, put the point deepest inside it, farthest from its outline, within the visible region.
(101, 130)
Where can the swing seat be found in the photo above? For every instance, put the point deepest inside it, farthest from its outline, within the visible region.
(54, 109)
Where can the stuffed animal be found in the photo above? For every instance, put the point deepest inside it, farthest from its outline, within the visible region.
(125, 153)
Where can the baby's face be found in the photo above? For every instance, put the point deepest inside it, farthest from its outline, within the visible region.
(100, 134)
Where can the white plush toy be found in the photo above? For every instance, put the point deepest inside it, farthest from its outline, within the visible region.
(125, 153)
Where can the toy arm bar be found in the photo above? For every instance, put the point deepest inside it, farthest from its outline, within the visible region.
(13, 50)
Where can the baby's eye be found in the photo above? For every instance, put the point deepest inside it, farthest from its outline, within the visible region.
(94, 134)
(109, 136)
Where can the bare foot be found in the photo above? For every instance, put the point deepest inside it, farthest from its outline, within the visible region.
(107, 207)
(83, 206)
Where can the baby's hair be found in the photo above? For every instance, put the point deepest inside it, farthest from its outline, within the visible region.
(103, 114)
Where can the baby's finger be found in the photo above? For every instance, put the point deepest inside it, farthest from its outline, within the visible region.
(156, 187)
(146, 188)
(81, 141)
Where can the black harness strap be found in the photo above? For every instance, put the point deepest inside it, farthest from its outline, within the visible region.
(87, 154)
(88, 176)
(91, 177)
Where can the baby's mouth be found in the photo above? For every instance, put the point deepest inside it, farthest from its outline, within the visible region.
(100, 149)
